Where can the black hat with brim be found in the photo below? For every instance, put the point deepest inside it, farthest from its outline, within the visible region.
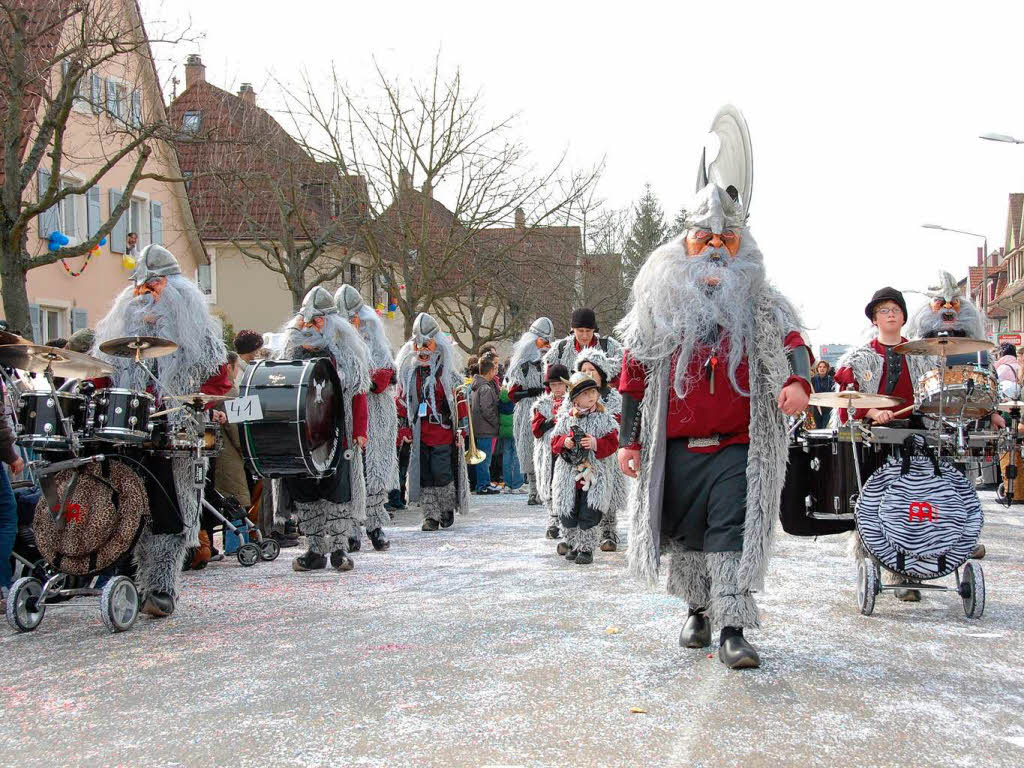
(557, 372)
(582, 386)
(885, 294)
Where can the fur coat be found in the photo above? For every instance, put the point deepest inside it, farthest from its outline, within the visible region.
(542, 456)
(601, 494)
(564, 351)
(866, 364)
(767, 457)
(525, 375)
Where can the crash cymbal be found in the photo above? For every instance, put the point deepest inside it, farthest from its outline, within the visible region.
(201, 397)
(944, 346)
(6, 337)
(853, 399)
(134, 347)
(64, 363)
(1009, 405)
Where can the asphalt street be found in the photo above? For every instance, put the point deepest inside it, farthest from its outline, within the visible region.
(478, 646)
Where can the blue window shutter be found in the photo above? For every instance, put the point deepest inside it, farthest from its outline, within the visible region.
(79, 319)
(96, 93)
(111, 97)
(119, 234)
(47, 219)
(136, 114)
(37, 321)
(92, 210)
(156, 223)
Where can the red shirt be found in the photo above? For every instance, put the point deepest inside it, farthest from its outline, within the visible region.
(726, 412)
(431, 433)
(904, 388)
(380, 379)
(537, 421)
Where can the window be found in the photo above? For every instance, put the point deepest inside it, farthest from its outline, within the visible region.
(135, 117)
(138, 222)
(191, 122)
(353, 275)
(52, 321)
(206, 276)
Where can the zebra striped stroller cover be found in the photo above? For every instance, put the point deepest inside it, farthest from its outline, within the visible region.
(919, 516)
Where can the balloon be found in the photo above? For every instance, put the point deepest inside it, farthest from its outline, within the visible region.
(391, 315)
(54, 246)
(103, 241)
(128, 262)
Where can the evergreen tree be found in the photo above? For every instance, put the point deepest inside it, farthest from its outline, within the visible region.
(645, 234)
(677, 227)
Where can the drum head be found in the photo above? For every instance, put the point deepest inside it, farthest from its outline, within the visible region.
(322, 409)
(100, 522)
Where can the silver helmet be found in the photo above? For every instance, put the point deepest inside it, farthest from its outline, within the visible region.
(348, 300)
(155, 261)
(424, 328)
(317, 303)
(543, 328)
(725, 184)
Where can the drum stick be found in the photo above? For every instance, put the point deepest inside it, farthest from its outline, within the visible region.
(164, 413)
(901, 411)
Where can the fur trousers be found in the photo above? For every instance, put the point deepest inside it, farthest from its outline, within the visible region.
(857, 552)
(710, 580)
(159, 558)
(434, 502)
(531, 481)
(325, 526)
(609, 526)
(376, 516)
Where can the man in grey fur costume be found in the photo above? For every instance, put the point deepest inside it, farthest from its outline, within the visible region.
(380, 461)
(714, 364)
(583, 487)
(162, 302)
(583, 334)
(331, 509)
(542, 425)
(595, 363)
(525, 382)
(431, 411)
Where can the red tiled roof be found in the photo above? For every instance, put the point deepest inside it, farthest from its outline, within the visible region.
(240, 159)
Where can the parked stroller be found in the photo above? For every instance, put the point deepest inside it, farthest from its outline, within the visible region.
(232, 516)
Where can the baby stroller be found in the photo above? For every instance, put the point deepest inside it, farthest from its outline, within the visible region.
(232, 516)
(919, 517)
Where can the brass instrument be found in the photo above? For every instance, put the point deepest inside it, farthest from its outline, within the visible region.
(473, 454)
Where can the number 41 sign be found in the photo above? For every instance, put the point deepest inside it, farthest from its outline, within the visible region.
(243, 409)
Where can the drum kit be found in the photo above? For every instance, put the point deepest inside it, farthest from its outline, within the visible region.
(892, 482)
(89, 444)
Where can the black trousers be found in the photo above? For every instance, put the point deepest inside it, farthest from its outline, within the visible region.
(164, 510)
(437, 467)
(582, 516)
(336, 488)
(705, 500)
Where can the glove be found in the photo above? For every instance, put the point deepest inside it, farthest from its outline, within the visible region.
(535, 391)
(547, 425)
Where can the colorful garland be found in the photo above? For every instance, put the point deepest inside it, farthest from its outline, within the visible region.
(85, 264)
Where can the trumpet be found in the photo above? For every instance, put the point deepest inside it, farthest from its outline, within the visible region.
(473, 454)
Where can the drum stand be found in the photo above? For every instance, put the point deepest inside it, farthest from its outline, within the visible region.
(1014, 415)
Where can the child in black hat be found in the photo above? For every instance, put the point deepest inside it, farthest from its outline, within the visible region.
(584, 482)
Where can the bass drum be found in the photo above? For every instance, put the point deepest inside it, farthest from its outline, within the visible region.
(303, 416)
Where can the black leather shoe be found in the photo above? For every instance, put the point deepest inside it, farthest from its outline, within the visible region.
(355, 544)
(533, 500)
(552, 532)
(341, 561)
(448, 518)
(158, 605)
(378, 539)
(696, 631)
(737, 653)
(572, 554)
(310, 561)
(584, 558)
(562, 548)
(429, 525)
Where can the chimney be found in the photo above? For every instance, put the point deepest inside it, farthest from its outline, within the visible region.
(981, 255)
(520, 219)
(195, 70)
(247, 94)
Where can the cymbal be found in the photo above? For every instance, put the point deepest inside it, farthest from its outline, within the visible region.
(138, 347)
(64, 363)
(6, 337)
(201, 397)
(853, 399)
(1009, 405)
(944, 346)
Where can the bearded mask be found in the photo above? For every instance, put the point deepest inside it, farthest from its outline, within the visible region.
(425, 352)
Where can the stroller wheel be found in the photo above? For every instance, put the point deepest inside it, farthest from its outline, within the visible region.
(248, 555)
(867, 585)
(119, 604)
(972, 590)
(270, 549)
(23, 611)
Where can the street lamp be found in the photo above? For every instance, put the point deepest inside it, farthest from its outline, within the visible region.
(1001, 137)
(984, 248)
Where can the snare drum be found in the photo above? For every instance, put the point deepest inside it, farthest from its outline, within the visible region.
(178, 442)
(122, 415)
(39, 427)
(969, 389)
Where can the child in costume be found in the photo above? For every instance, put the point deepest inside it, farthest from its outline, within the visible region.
(542, 425)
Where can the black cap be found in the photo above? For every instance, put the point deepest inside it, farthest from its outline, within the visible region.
(583, 318)
(557, 372)
(885, 294)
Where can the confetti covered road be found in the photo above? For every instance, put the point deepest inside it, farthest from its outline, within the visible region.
(479, 647)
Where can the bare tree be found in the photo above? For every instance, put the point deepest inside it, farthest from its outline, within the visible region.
(414, 143)
(51, 54)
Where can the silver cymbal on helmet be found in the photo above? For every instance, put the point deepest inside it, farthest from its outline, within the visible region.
(725, 183)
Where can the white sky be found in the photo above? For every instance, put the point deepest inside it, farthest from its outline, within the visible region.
(864, 117)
